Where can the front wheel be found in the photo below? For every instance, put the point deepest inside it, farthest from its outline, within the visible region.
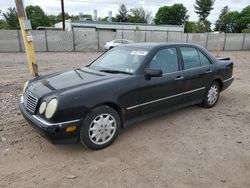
(212, 95)
(100, 128)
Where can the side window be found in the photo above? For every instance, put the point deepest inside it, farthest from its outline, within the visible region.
(204, 60)
(166, 60)
(117, 41)
(190, 57)
(124, 41)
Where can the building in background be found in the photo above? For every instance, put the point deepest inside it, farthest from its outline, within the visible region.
(82, 25)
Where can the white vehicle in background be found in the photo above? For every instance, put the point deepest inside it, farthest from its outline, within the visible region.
(116, 42)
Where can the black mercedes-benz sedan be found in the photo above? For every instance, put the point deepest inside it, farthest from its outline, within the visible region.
(124, 85)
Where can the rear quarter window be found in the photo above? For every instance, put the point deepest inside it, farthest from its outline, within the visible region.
(203, 59)
(190, 57)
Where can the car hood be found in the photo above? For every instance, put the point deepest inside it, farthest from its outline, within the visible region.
(61, 81)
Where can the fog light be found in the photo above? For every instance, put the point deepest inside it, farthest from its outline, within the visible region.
(71, 129)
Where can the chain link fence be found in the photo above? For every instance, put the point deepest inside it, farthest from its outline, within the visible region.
(78, 41)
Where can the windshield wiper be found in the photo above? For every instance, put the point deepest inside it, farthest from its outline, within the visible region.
(115, 71)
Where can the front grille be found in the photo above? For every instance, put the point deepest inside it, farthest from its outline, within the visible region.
(30, 102)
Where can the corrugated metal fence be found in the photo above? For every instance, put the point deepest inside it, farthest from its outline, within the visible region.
(70, 41)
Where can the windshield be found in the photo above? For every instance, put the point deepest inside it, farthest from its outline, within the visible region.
(120, 59)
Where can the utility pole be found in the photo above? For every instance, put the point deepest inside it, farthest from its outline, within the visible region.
(27, 37)
(63, 16)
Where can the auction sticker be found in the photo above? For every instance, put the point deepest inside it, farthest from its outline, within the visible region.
(143, 53)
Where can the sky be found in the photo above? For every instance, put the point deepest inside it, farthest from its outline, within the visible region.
(103, 6)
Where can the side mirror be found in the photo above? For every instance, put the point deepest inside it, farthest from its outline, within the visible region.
(152, 73)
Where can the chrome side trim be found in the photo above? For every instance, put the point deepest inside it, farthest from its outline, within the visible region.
(51, 124)
(191, 91)
(165, 98)
(228, 79)
(132, 107)
(157, 100)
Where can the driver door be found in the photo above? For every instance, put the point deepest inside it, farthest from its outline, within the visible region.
(165, 92)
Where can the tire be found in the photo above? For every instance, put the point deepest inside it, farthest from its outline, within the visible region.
(111, 47)
(100, 128)
(212, 95)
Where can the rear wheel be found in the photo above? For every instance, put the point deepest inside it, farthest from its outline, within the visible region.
(212, 95)
(100, 128)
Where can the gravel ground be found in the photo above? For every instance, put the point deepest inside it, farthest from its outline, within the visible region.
(192, 147)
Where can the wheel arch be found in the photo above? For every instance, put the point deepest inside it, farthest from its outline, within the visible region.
(116, 107)
(219, 81)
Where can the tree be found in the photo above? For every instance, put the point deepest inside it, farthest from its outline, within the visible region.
(59, 17)
(3, 24)
(105, 19)
(37, 16)
(231, 22)
(139, 15)
(244, 19)
(191, 27)
(174, 15)
(203, 9)
(11, 18)
(219, 25)
(52, 20)
(123, 14)
(247, 30)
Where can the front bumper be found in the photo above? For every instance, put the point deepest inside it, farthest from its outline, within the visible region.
(54, 132)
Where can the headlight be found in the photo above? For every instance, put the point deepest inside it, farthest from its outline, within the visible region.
(51, 108)
(25, 86)
(42, 107)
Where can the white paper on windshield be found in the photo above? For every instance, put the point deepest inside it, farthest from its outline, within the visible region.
(143, 53)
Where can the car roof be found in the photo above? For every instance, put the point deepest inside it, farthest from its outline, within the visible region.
(151, 45)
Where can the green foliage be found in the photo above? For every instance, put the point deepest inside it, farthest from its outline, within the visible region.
(247, 30)
(244, 19)
(139, 15)
(203, 9)
(52, 20)
(105, 19)
(174, 15)
(123, 14)
(37, 16)
(59, 17)
(233, 22)
(11, 18)
(219, 25)
(191, 27)
(3, 25)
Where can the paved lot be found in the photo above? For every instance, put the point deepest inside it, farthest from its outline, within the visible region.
(192, 147)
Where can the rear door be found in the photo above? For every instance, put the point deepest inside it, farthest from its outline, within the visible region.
(197, 71)
(158, 93)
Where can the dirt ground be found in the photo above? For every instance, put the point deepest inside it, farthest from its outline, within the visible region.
(192, 147)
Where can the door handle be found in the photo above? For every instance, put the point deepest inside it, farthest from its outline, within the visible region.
(179, 78)
(208, 71)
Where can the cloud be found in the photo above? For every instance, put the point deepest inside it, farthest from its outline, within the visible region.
(103, 6)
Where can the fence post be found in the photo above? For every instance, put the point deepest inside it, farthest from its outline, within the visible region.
(122, 32)
(145, 36)
(243, 42)
(225, 39)
(73, 38)
(167, 36)
(46, 40)
(187, 38)
(19, 41)
(151, 36)
(98, 40)
(207, 39)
